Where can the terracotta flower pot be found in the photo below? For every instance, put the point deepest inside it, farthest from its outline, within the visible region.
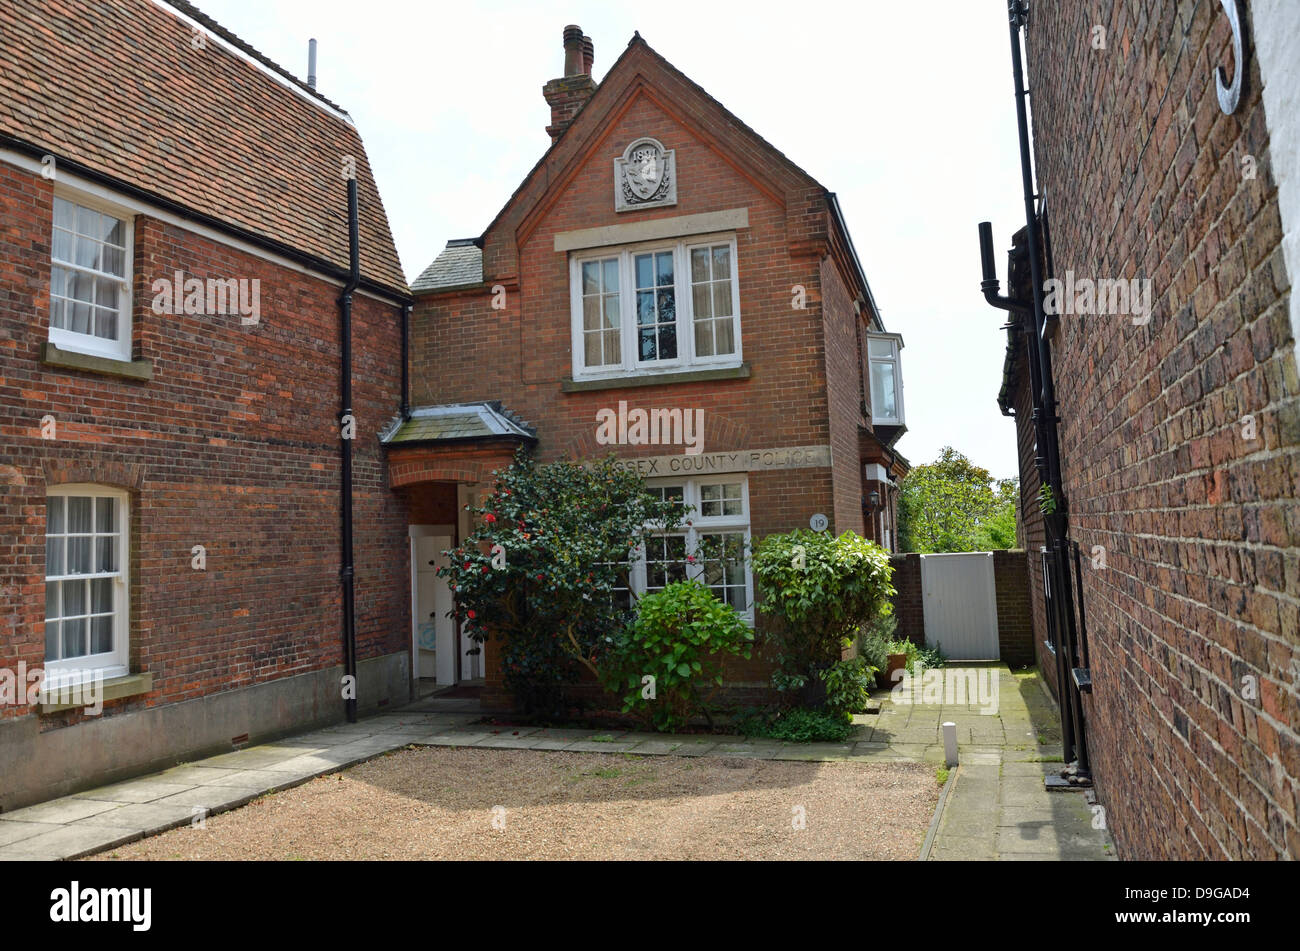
(895, 662)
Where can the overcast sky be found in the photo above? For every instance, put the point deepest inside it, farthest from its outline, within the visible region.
(905, 110)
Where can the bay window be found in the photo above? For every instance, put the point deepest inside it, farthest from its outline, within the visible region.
(886, 378)
(656, 307)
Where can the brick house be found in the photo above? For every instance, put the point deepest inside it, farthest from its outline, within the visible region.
(662, 258)
(171, 464)
(1175, 638)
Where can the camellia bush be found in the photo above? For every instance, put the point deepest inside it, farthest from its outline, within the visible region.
(539, 571)
(671, 650)
(821, 590)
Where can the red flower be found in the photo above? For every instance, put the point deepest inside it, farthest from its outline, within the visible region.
(489, 518)
(467, 566)
(471, 615)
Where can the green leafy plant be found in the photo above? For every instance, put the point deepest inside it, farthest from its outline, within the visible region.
(952, 504)
(538, 571)
(797, 725)
(848, 686)
(1046, 500)
(679, 638)
(820, 590)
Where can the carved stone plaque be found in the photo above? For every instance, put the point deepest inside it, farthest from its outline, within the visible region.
(645, 176)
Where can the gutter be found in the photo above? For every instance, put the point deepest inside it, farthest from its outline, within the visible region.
(348, 570)
(838, 214)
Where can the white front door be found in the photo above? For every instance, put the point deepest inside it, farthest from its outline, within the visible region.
(959, 604)
(435, 632)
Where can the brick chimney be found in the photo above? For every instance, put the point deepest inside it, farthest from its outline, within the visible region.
(570, 93)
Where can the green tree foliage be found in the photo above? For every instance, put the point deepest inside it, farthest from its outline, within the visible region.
(552, 543)
(952, 504)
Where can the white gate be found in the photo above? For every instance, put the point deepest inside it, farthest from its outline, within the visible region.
(959, 605)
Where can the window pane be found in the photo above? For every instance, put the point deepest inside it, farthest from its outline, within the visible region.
(882, 390)
(725, 334)
(53, 639)
(64, 213)
(54, 550)
(702, 301)
(667, 306)
(87, 221)
(880, 348)
(722, 263)
(699, 264)
(105, 323)
(664, 268)
(710, 493)
(649, 349)
(114, 261)
(704, 338)
(611, 310)
(79, 508)
(101, 634)
(106, 553)
(722, 299)
(74, 638)
(644, 270)
(590, 277)
(79, 555)
(591, 313)
(101, 595)
(105, 515)
(87, 252)
(611, 275)
(79, 318)
(591, 354)
(645, 307)
(613, 347)
(52, 601)
(54, 515)
(112, 230)
(62, 250)
(668, 342)
(74, 598)
(57, 318)
(80, 286)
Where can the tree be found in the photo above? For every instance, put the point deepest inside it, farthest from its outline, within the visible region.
(951, 505)
(552, 544)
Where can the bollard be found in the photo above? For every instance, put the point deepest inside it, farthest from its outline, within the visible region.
(950, 743)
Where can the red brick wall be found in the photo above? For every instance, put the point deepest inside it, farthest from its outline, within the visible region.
(1011, 592)
(232, 445)
(907, 602)
(1201, 593)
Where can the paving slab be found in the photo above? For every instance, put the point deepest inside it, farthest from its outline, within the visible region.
(134, 791)
(60, 811)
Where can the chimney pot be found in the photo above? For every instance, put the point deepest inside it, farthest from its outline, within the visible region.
(588, 54)
(572, 50)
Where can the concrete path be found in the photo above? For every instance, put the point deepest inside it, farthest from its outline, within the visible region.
(998, 808)
(110, 816)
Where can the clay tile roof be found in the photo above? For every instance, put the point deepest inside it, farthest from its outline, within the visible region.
(121, 89)
(459, 264)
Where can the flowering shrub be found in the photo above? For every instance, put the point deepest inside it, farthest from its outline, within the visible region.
(539, 571)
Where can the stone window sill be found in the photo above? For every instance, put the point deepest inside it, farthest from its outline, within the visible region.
(53, 356)
(115, 688)
(697, 375)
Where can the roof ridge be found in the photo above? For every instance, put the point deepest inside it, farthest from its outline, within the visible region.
(194, 13)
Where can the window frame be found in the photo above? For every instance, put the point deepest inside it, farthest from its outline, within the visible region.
(895, 359)
(88, 343)
(631, 364)
(115, 663)
(700, 524)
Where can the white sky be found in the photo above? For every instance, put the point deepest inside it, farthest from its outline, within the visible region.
(905, 110)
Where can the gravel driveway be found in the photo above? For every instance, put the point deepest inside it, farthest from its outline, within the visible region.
(440, 803)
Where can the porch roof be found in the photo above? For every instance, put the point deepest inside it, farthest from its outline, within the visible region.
(458, 422)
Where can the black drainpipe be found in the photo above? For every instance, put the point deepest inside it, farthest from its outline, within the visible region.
(1043, 393)
(406, 361)
(347, 572)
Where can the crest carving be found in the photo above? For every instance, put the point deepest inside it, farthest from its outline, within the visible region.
(645, 176)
